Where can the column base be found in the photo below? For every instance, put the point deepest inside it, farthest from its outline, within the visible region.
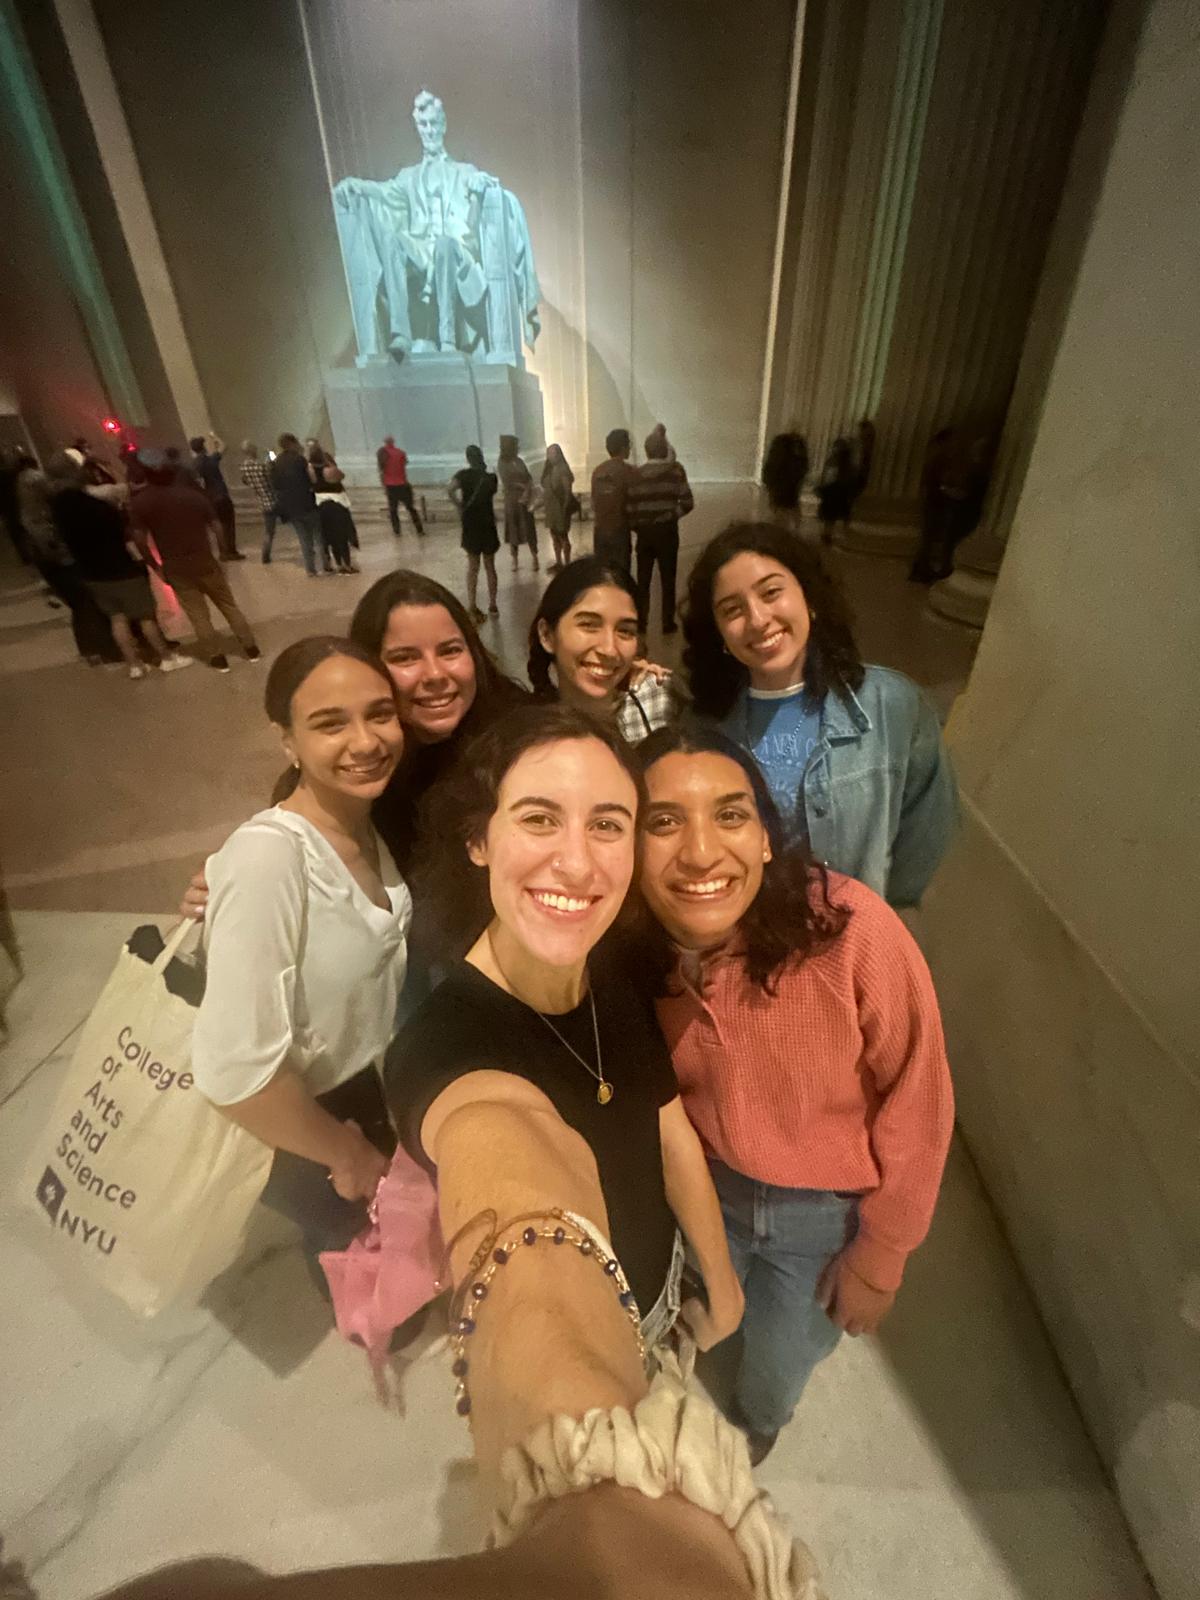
(964, 596)
(878, 539)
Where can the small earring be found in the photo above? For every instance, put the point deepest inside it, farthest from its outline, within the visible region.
(296, 764)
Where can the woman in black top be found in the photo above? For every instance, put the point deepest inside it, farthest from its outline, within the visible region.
(532, 853)
(473, 490)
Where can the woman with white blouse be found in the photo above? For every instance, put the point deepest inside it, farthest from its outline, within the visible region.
(305, 944)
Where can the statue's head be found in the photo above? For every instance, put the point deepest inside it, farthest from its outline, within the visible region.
(429, 114)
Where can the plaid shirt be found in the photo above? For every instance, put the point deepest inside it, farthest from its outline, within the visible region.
(256, 475)
(651, 705)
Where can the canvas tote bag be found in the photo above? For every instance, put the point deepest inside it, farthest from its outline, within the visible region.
(141, 1184)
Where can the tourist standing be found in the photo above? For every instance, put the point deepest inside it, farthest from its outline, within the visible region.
(517, 483)
(853, 754)
(805, 1037)
(338, 532)
(296, 499)
(611, 539)
(54, 561)
(559, 503)
(586, 633)
(864, 454)
(393, 475)
(206, 463)
(94, 532)
(473, 491)
(305, 948)
(256, 476)
(785, 469)
(178, 518)
(657, 495)
(835, 488)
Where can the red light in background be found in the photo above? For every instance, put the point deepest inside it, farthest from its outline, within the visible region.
(111, 425)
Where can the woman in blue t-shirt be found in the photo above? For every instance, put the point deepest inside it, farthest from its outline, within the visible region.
(853, 754)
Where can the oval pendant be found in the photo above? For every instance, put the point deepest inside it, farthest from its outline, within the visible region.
(604, 1093)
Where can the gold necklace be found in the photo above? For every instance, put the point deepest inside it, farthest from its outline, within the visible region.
(605, 1091)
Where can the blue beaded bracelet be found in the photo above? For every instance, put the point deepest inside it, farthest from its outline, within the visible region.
(557, 1226)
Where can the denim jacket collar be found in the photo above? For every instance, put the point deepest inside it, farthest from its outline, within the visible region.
(844, 719)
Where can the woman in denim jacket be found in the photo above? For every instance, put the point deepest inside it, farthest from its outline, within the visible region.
(853, 754)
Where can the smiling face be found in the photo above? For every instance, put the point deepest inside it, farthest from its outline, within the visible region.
(593, 645)
(559, 850)
(431, 665)
(344, 730)
(763, 618)
(703, 847)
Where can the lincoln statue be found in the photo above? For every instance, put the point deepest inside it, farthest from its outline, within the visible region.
(438, 258)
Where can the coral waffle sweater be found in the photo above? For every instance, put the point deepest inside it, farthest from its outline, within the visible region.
(838, 1081)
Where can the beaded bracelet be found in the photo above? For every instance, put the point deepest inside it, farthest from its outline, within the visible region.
(560, 1227)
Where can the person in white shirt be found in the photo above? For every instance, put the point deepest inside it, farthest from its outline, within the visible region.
(305, 939)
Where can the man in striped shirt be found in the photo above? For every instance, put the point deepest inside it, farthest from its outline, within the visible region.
(657, 496)
(256, 475)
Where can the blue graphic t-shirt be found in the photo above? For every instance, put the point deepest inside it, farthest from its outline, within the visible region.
(781, 728)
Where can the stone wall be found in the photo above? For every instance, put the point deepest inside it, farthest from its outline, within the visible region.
(1064, 930)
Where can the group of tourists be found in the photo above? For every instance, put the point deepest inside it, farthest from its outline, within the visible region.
(616, 946)
(837, 486)
(628, 502)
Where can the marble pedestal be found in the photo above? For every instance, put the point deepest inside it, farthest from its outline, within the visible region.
(434, 406)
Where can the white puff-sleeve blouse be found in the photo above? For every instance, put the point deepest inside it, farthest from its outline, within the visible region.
(302, 966)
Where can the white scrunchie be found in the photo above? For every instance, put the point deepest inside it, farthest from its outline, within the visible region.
(674, 1441)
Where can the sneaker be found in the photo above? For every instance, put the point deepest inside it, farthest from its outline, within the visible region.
(176, 663)
(219, 663)
(493, 611)
(234, 555)
(252, 653)
(478, 616)
(137, 672)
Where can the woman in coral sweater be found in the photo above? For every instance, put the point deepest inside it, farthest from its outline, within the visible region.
(808, 1047)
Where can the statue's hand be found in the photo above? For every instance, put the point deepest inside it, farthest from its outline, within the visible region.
(481, 181)
(348, 190)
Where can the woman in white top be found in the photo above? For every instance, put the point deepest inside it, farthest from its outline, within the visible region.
(305, 942)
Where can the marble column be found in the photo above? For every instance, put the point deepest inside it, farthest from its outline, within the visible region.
(913, 290)
(967, 593)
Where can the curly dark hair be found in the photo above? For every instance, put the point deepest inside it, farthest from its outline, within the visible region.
(792, 916)
(450, 891)
(562, 592)
(715, 678)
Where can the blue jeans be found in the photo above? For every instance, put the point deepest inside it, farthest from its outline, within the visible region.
(780, 1241)
(308, 531)
(270, 517)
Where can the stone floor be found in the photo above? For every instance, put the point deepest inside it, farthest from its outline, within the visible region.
(944, 1460)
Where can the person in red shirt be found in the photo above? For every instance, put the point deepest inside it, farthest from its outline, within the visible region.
(393, 475)
(807, 1043)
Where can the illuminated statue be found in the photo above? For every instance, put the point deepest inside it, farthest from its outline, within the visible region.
(438, 258)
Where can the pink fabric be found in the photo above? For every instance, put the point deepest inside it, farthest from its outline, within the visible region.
(391, 1270)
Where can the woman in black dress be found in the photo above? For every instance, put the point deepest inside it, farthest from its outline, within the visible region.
(473, 491)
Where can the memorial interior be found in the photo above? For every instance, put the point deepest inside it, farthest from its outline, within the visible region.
(348, 219)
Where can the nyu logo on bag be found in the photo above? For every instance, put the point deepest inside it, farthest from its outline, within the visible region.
(145, 1184)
